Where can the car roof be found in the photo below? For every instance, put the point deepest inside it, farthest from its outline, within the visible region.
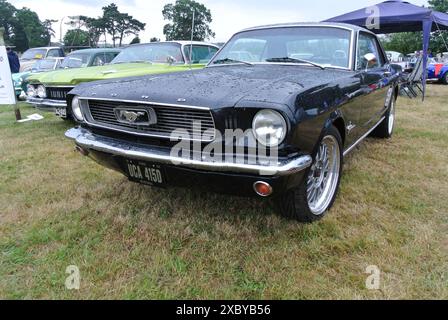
(46, 48)
(95, 50)
(181, 42)
(308, 24)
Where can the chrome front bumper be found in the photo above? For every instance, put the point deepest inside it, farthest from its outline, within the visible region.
(47, 104)
(92, 142)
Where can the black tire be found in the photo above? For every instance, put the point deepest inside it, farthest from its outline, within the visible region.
(294, 204)
(386, 128)
(445, 78)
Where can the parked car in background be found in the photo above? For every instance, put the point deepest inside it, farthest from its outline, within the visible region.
(49, 91)
(272, 126)
(89, 58)
(400, 59)
(30, 56)
(43, 65)
(438, 71)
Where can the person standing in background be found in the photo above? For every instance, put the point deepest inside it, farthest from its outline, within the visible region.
(13, 59)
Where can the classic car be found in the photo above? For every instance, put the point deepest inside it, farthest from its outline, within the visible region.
(43, 65)
(438, 71)
(48, 91)
(273, 127)
(30, 56)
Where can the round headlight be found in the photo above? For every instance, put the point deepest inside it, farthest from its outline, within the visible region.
(269, 128)
(30, 91)
(76, 109)
(41, 92)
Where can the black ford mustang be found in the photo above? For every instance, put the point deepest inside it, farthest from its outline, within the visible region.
(272, 115)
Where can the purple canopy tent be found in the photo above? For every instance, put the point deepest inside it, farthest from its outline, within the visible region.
(399, 16)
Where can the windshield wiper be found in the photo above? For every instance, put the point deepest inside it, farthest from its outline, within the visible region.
(293, 60)
(228, 60)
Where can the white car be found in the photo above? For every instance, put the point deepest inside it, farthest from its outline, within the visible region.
(29, 57)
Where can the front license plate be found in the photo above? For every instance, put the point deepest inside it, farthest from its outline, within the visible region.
(61, 112)
(146, 173)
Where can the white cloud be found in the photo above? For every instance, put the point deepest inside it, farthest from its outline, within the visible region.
(229, 16)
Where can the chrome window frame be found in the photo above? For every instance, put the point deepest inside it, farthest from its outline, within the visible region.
(351, 47)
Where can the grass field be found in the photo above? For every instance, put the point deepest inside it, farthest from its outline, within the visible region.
(129, 241)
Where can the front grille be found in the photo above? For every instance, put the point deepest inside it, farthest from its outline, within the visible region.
(55, 93)
(169, 119)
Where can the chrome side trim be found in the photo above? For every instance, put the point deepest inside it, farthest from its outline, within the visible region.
(363, 137)
(47, 102)
(89, 141)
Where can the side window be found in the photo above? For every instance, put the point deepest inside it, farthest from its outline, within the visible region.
(101, 59)
(201, 54)
(368, 44)
(53, 53)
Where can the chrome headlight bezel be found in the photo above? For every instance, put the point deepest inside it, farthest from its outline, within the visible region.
(41, 92)
(269, 128)
(31, 91)
(76, 109)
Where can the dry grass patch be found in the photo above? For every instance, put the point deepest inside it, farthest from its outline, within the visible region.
(130, 241)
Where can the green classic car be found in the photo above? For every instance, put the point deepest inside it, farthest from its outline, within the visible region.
(48, 91)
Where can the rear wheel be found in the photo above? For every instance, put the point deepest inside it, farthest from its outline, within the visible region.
(445, 78)
(311, 200)
(386, 128)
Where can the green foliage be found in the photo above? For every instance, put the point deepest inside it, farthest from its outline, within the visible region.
(120, 25)
(77, 38)
(439, 5)
(154, 39)
(23, 29)
(180, 16)
(34, 29)
(135, 40)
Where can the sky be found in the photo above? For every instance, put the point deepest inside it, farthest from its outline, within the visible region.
(229, 16)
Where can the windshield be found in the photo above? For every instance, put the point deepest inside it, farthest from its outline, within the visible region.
(34, 54)
(76, 60)
(152, 52)
(44, 65)
(325, 46)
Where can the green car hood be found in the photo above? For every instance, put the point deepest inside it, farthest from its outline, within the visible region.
(74, 77)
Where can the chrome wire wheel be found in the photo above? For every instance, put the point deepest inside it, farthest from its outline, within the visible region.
(391, 123)
(323, 178)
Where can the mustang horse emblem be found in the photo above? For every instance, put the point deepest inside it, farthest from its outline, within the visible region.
(131, 116)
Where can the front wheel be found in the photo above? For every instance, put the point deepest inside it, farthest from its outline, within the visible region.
(445, 78)
(311, 200)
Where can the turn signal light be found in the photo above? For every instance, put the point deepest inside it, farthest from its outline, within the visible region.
(263, 189)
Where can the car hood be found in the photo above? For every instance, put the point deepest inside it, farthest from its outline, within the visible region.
(113, 71)
(217, 87)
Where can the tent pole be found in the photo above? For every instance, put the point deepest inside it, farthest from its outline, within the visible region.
(427, 26)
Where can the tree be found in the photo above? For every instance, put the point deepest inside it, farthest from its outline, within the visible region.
(120, 25)
(77, 38)
(7, 19)
(181, 16)
(154, 39)
(135, 40)
(34, 29)
(128, 26)
(439, 5)
(407, 42)
(95, 27)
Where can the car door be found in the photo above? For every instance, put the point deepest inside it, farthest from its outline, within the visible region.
(375, 76)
